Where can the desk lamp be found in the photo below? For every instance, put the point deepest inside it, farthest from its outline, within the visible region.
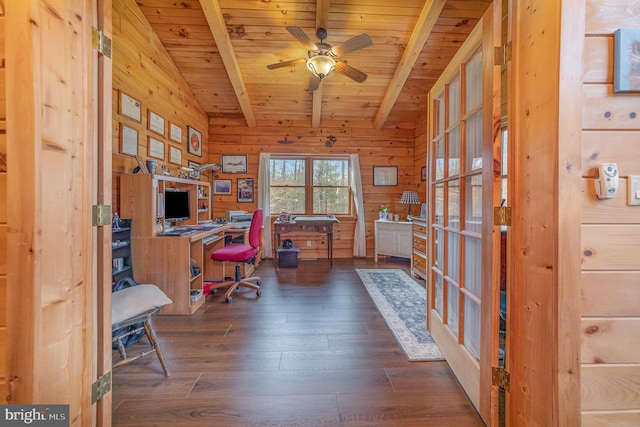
(409, 197)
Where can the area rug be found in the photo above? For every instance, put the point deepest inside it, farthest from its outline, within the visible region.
(402, 303)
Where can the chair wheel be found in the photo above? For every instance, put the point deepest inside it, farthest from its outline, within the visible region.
(213, 291)
(259, 282)
(258, 292)
(228, 299)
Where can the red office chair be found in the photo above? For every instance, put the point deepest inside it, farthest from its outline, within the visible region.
(241, 253)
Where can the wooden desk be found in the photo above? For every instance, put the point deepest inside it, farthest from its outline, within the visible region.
(306, 224)
(165, 261)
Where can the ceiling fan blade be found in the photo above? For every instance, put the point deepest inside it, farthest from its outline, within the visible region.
(302, 37)
(286, 63)
(353, 44)
(314, 83)
(350, 72)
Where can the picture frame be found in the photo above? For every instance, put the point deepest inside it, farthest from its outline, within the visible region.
(193, 174)
(142, 165)
(245, 190)
(155, 123)
(222, 186)
(175, 155)
(128, 140)
(626, 72)
(175, 132)
(130, 107)
(156, 148)
(385, 175)
(194, 141)
(234, 163)
(423, 173)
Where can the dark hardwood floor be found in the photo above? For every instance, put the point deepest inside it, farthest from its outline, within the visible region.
(312, 351)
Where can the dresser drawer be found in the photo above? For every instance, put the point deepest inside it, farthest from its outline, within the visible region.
(419, 263)
(417, 228)
(419, 244)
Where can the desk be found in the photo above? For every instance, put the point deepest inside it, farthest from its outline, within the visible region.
(306, 224)
(165, 261)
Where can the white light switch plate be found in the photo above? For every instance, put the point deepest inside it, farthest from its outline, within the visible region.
(633, 190)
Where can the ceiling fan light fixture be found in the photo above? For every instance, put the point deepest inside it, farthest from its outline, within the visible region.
(321, 65)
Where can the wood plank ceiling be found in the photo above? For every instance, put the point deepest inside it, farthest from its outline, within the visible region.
(223, 47)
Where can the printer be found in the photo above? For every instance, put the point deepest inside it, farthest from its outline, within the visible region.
(239, 217)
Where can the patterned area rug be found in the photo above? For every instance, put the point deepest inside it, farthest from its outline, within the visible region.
(402, 303)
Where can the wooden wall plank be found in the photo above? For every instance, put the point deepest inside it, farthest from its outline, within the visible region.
(607, 340)
(3, 249)
(610, 418)
(598, 59)
(610, 293)
(613, 146)
(601, 110)
(610, 387)
(611, 247)
(607, 211)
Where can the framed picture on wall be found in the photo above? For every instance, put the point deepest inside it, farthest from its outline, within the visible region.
(194, 174)
(222, 186)
(626, 65)
(156, 148)
(175, 132)
(234, 163)
(129, 107)
(128, 140)
(385, 175)
(245, 190)
(155, 123)
(194, 141)
(423, 173)
(175, 155)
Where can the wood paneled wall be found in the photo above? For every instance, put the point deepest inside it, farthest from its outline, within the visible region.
(3, 207)
(386, 147)
(610, 303)
(143, 70)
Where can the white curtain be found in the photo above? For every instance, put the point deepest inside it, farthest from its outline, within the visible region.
(264, 197)
(355, 181)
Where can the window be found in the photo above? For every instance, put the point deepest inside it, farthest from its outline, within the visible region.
(310, 185)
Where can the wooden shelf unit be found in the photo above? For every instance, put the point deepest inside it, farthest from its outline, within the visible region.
(121, 248)
(139, 201)
(166, 260)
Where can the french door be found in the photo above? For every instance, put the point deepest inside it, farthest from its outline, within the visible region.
(463, 189)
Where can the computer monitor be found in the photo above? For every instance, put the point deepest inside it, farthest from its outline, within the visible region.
(176, 205)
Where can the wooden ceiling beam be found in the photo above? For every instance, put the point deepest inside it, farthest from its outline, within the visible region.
(220, 34)
(427, 20)
(322, 21)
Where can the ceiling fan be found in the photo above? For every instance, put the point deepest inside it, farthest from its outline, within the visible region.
(323, 58)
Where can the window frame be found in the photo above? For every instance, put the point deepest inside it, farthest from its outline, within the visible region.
(308, 185)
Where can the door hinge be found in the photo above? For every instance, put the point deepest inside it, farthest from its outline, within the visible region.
(101, 215)
(500, 377)
(101, 387)
(502, 54)
(100, 42)
(502, 216)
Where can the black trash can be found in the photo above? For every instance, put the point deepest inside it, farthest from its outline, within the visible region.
(288, 257)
